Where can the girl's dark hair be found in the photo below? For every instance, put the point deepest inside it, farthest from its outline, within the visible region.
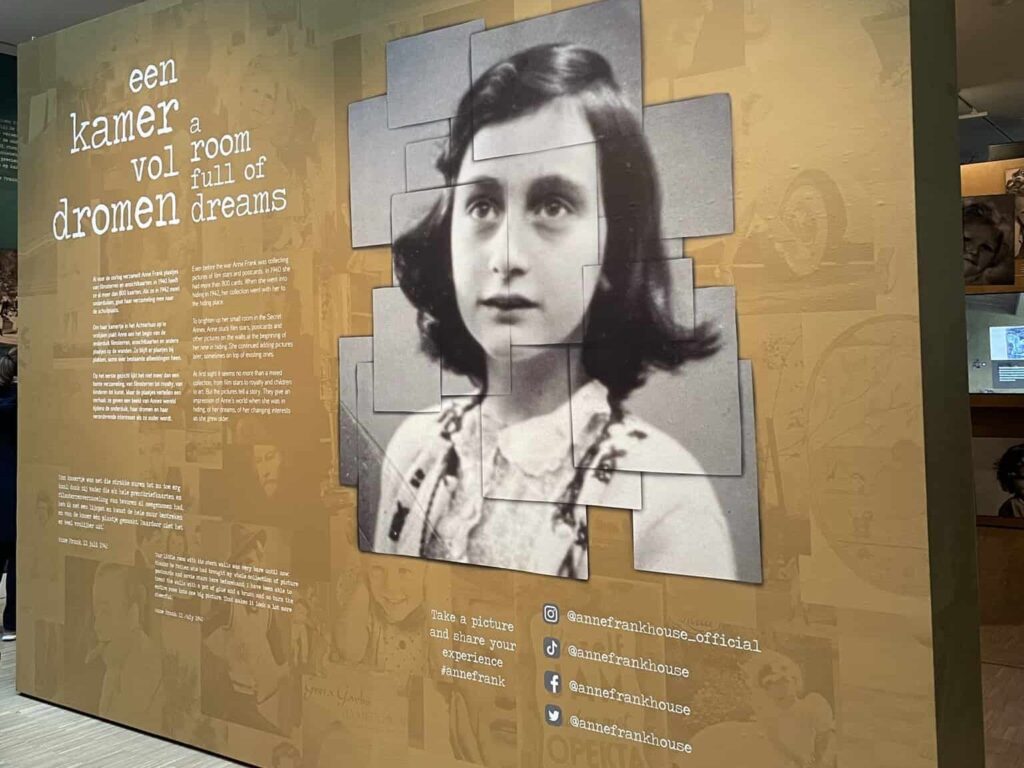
(983, 212)
(1008, 466)
(629, 327)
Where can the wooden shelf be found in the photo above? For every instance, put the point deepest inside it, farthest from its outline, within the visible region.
(997, 401)
(991, 521)
(982, 289)
(997, 415)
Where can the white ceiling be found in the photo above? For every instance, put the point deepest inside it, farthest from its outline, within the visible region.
(988, 41)
(989, 58)
(991, 78)
(21, 20)
(989, 32)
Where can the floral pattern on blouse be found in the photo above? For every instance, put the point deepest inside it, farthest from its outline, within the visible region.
(479, 491)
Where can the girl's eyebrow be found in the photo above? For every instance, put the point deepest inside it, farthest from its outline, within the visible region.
(479, 181)
(556, 182)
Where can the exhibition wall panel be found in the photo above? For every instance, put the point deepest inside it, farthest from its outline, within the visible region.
(505, 383)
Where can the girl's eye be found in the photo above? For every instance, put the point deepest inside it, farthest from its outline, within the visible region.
(554, 208)
(483, 209)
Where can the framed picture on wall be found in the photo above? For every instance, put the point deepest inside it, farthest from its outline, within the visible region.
(989, 239)
(999, 480)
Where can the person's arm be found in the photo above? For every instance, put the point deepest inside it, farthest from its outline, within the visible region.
(405, 469)
(269, 676)
(387, 505)
(824, 724)
(464, 739)
(682, 529)
(825, 749)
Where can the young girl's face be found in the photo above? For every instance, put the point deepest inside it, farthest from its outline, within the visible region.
(523, 228)
(397, 588)
(981, 247)
(1017, 480)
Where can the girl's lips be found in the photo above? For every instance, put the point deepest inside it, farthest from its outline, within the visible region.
(508, 302)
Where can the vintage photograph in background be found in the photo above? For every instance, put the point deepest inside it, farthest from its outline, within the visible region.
(989, 239)
(999, 477)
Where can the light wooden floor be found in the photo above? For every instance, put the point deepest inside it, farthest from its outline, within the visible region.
(38, 735)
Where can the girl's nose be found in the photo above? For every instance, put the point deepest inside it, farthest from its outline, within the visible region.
(519, 248)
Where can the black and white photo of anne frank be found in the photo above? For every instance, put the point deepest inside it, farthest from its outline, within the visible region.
(541, 277)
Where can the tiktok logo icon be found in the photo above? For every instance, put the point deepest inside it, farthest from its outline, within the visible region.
(552, 648)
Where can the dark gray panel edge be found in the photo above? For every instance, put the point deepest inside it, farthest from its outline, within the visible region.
(947, 426)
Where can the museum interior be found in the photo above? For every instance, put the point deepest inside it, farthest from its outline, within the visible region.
(360, 348)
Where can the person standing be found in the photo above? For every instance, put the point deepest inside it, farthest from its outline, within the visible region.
(8, 485)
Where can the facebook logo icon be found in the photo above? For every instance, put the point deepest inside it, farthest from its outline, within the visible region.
(553, 682)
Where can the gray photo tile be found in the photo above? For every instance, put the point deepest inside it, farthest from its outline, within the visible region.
(377, 167)
(351, 351)
(691, 142)
(404, 378)
(705, 526)
(611, 28)
(421, 171)
(428, 74)
(678, 275)
(693, 413)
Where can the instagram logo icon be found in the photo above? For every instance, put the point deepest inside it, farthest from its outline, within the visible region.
(551, 613)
